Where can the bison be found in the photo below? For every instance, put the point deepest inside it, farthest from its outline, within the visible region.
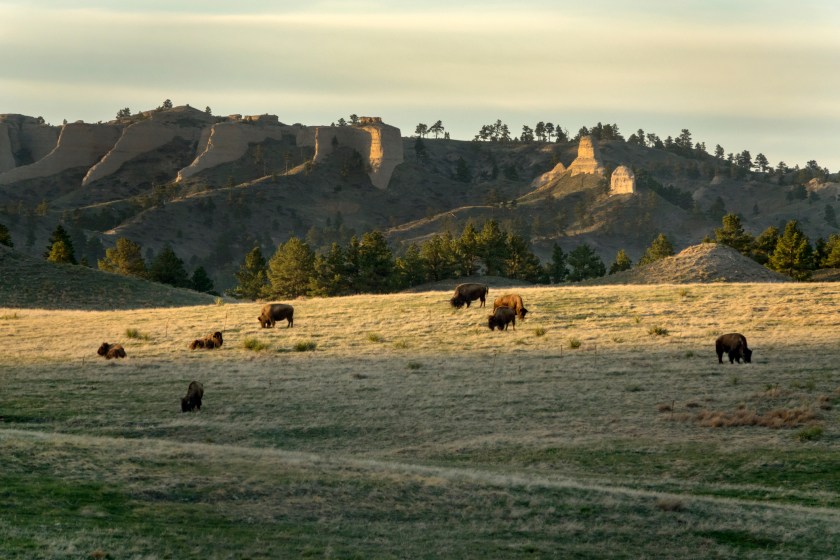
(466, 293)
(193, 399)
(514, 301)
(109, 351)
(272, 312)
(501, 317)
(735, 345)
(209, 342)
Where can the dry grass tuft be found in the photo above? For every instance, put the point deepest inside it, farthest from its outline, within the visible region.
(574, 343)
(375, 337)
(539, 331)
(135, 334)
(658, 331)
(305, 346)
(670, 504)
(776, 419)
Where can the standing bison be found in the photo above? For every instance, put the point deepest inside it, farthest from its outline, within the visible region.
(501, 317)
(208, 342)
(514, 301)
(735, 345)
(192, 401)
(466, 293)
(272, 312)
(109, 351)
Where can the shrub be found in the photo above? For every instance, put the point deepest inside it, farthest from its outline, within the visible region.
(305, 346)
(219, 301)
(539, 331)
(574, 343)
(374, 337)
(255, 344)
(136, 334)
(414, 365)
(658, 331)
(810, 433)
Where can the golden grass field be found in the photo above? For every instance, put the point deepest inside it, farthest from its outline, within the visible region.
(602, 426)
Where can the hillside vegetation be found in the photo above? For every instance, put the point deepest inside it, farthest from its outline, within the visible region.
(395, 427)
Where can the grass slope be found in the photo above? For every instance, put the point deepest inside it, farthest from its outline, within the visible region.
(26, 282)
(409, 430)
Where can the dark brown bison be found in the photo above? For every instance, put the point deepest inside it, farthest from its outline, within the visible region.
(501, 317)
(209, 342)
(109, 351)
(735, 345)
(514, 301)
(193, 399)
(466, 293)
(272, 312)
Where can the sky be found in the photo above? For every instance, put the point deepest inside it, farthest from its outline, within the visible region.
(757, 75)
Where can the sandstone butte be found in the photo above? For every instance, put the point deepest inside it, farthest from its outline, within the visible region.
(31, 149)
(622, 181)
(588, 159)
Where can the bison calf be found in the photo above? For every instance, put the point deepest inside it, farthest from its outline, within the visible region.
(514, 301)
(193, 399)
(209, 342)
(501, 317)
(466, 293)
(273, 312)
(109, 351)
(735, 345)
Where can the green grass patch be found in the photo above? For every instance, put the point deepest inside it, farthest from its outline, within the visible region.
(305, 346)
(375, 337)
(255, 344)
(574, 343)
(135, 334)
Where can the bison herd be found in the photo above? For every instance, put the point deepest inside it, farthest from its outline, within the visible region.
(506, 309)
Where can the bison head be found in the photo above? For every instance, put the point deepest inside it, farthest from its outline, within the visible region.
(185, 404)
(217, 338)
(103, 349)
(491, 322)
(522, 313)
(457, 302)
(747, 355)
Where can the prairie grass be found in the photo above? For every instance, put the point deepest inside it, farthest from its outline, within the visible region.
(540, 331)
(493, 448)
(255, 344)
(574, 343)
(658, 331)
(375, 337)
(135, 334)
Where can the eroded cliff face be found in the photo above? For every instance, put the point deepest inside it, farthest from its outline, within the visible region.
(622, 181)
(548, 176)
(24, 140)
(79, 145)
(228, 141)
(588, 160)
(158, 129)
(378, 143)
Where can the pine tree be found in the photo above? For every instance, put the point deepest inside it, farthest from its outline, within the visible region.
(622, 262)
(492, 243)
(60, 253)
(793, 253)
(467, 250)
(200, 281)
(410, 268)
(732, 234)
(830, 216)
(438, 254)
(557, 270)
(765, 244)
(659, 249)
(585, 263)
(290, 270)
(376, 264)
(521, 263)
(125, 258)
(5, 236)
(68, 254)
(330, 277)
(167, 268)
(252, 276)
(832, 252)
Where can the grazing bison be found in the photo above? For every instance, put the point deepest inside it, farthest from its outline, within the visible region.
(735, 345)
(514, 301)
(466, 293)
(209, 342)
(109, 351)
(501, 317)
(193, 399)
(272, 312)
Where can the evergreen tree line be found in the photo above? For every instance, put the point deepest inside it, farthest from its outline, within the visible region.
(789, 252)
(126, 258)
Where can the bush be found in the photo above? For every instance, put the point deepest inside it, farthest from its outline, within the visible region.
(373, 337)
(574, 343)
(539, 331)
(255, 344)
(305, 346)
(810, 433)
(658, 331)
(135, 334)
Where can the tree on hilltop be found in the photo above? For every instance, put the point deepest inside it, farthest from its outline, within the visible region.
(660, 248)
(124, 113)
(67, 253)
(732, 234)
(622, 262)
(125, 258)
(793, 254)
(421, 130)
(437, 128)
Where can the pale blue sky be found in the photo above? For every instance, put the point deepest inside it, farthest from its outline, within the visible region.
(750, 74)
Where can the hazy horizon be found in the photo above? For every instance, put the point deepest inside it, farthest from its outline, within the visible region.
(757, 75)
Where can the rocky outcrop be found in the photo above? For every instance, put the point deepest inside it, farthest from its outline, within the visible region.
(158, 129)
(228, 141)
(548, 176)
(79, 145)
(380, 144)
(622, 181)
(588, 160)
(24, 138)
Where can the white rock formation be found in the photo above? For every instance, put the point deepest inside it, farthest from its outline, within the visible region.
(623, 181)
(79, 145)
(548, 176)
(147, 135)
(378, 143)
(588, 160)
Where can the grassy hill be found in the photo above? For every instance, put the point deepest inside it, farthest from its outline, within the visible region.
(27, 282)
(395, 427)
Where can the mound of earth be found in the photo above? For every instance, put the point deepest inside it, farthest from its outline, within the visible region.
(704, 263)
(495, 283)
(31, 283)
